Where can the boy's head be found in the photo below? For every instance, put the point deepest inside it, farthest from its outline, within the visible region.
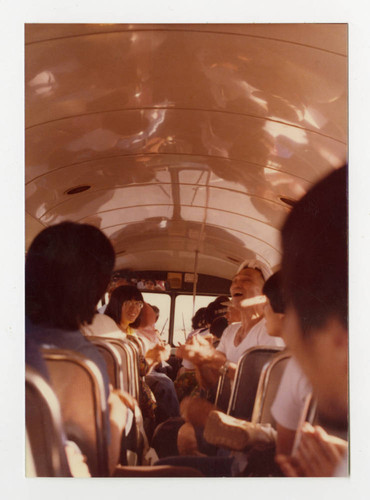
(315, 280)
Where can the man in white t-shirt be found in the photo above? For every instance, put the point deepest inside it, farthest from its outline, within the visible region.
(257, 335)
(246, 289)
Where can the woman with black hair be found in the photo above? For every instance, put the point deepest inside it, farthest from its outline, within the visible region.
(125, 308)
(68, 267)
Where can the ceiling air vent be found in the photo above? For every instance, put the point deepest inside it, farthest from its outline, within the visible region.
(287, 201)
(77, 189)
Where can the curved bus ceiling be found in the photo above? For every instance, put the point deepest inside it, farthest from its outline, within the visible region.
(188, 137)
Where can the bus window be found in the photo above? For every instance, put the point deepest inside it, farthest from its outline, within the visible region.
(163, 302)
(184, 314)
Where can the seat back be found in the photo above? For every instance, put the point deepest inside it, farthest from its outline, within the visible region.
(138, 342)
(309, 414)
(78, 384)
(113, 360)
(120, 359)
(247, 376)
(45, 455)
(223, 393)
(129, 362)
(267, 388)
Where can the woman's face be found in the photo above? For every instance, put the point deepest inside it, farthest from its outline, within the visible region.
(131, 310)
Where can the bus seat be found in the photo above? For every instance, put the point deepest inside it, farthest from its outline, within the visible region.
(267, 388)
(309, 414)
(78, 384)
(129, 376)
(113, 361)
(138, 343)
(223, 393)
(130, 363)
(246, 380)
(45, 454)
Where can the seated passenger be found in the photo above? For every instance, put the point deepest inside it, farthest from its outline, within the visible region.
(163, 367)
(161, 385)
(315, 272)
(200, 326)
(125, 308)
(199, 321)
(237, 337)
(67, 270)
(225, 431)
(315, 276)
(217, 328)
(290, 398)
(186, 382)
(146, 329)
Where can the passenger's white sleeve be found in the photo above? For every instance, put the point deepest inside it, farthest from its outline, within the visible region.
(291, 395)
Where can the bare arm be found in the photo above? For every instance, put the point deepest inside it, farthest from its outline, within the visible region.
(209, 373)
(206, 359)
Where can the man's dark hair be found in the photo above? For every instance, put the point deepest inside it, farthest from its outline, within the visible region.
(218, 326)
(68, 267)
(118, 297)
(315, 257)
(216, 309)
(274, 292)
(199, 319)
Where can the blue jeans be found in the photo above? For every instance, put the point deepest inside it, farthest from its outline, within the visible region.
(165, 394)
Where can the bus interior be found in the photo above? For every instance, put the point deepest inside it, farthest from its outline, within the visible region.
(187, 145)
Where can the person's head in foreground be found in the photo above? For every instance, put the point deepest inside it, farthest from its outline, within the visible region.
(274, 306)
(315, 281)
(68, 267)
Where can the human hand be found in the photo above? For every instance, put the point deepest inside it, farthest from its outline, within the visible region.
(159, 353)
(289, 466)
(318, 454)
(197, 350)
